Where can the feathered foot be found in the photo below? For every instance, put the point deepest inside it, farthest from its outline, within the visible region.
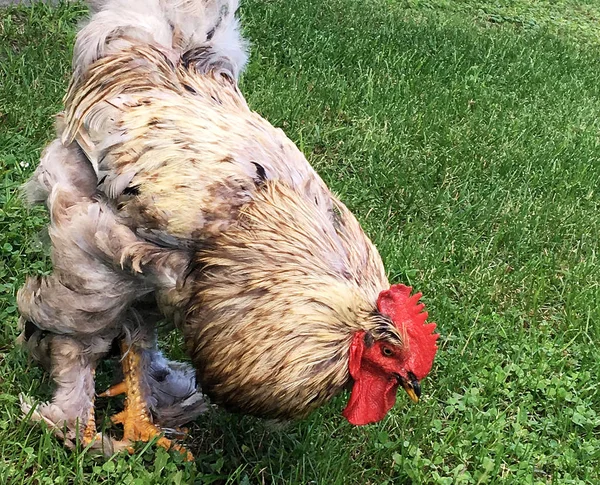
(70, 414)
(136, 417)
(64, 429)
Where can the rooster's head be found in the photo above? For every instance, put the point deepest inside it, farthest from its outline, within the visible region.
(379, 362)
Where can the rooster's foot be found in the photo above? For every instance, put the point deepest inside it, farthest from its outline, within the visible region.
(136, 418)
(68, 430)
(137, 426)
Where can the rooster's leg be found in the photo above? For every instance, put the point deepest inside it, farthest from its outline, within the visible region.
(136, 418)
(90, 433)
(70, 414)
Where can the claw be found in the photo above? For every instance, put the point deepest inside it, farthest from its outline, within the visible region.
(180, 432)
(117, 389)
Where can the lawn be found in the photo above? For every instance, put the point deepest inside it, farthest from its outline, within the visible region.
(465, 136)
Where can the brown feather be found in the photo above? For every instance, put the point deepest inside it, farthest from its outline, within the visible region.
(286, 274)
(204, 204)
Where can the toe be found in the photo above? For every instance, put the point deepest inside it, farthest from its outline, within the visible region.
(117, 389)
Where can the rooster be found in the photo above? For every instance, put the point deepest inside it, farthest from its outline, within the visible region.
(168, 196)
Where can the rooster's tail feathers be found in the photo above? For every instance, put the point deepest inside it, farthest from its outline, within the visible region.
(173, 26)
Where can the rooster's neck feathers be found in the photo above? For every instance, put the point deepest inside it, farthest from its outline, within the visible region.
(280, 297)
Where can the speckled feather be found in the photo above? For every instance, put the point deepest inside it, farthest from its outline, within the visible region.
(290, 274)
(204, 204)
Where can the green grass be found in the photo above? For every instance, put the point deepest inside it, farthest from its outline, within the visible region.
(465, 136)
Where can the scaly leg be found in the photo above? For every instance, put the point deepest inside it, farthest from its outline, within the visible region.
(136, 417)
(90, 434)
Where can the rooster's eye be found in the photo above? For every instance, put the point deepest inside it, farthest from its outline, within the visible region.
(386, 351)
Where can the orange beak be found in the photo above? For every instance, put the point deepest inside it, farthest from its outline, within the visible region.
(412, 388)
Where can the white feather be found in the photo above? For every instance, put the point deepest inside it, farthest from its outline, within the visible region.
(172, 26)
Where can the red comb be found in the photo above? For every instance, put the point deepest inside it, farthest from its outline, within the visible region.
(408, 316)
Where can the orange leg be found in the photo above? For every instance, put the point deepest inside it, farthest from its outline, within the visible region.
(89, 431)
(136, 418)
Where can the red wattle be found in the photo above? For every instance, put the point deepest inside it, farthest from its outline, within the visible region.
(371, 398)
